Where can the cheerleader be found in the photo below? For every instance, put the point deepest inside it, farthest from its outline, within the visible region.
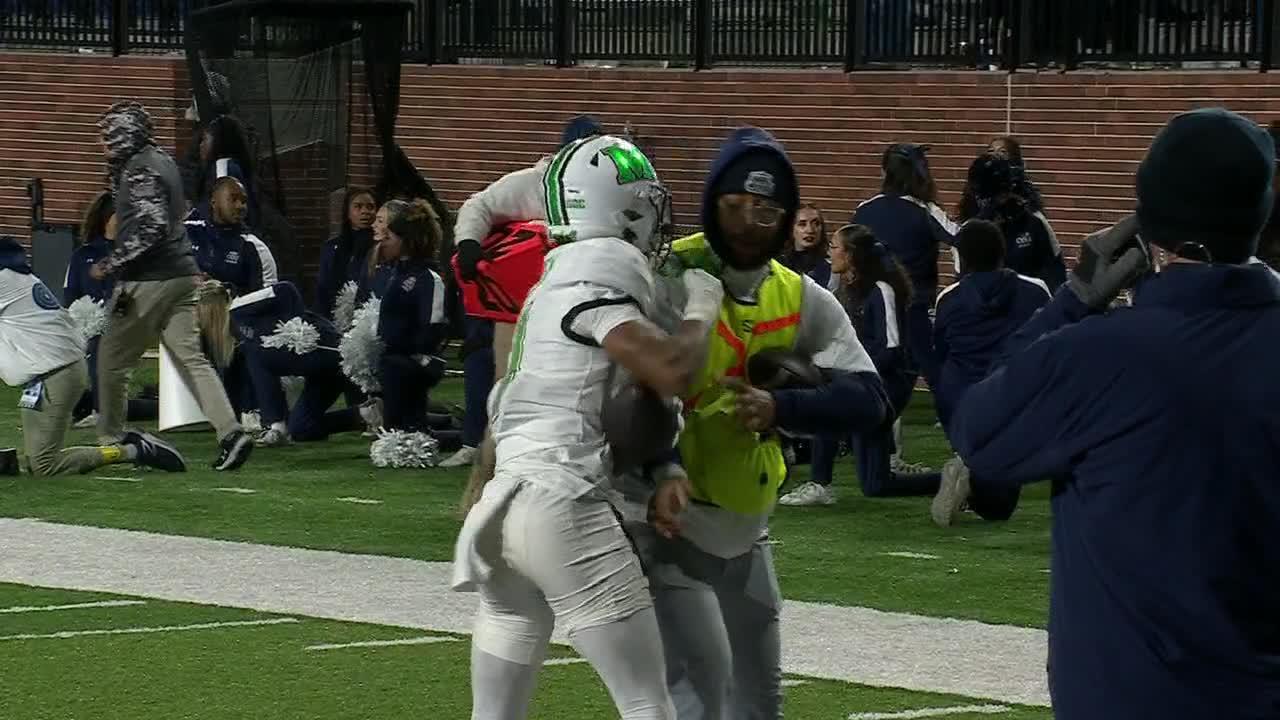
(344, 258)
(876, 293)
(255, 318)
(411, 319)
(98, 230)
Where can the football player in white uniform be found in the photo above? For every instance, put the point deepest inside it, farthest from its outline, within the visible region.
(544, 544)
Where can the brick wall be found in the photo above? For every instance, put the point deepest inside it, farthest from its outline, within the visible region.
(465, 126)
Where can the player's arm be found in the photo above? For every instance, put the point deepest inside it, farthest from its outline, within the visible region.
(514, 197)
(668, 362)
(854, 398)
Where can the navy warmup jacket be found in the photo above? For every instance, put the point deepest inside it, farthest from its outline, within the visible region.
(882, 337)
(913, 234)
(224, 254)
(343, 259)
(79, 283)
(1161, 425)
(411, 318)
(1031, 249)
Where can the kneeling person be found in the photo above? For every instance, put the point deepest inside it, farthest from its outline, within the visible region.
(42, 352)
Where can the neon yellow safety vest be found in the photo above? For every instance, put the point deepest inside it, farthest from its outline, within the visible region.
(727, 464)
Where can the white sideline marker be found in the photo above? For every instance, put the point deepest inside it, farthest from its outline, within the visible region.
(911, 555)
(933, 712)
(65, 634)
(426, 640)
(794, 683)
(236, 490)
(73, 606)
(117, 478)
(360, 501)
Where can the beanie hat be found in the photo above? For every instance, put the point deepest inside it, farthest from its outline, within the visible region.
(579, 127)
(1205, 186)
(759, 172)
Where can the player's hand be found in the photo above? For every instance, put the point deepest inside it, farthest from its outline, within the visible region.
(703, 294)
(753, 406)
(669, 502)
(468, 259)
(1110, 262)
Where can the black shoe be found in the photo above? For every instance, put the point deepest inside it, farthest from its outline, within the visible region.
(235, 450)
(154, 452)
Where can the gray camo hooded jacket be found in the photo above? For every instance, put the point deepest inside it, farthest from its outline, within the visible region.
(149, 203)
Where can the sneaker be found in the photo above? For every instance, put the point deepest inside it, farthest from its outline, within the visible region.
(87, 422)
(810, 493)
(273, 437)
(898, 465)
(235, 450)
(952, 493)
(466, 455)
(154, 452)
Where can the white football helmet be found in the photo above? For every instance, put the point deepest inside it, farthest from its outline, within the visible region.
(604, 186)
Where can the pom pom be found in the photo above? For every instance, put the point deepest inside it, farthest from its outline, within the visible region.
(361, 348)
(295, 334)
(400, 449)
(89, 317)
(344, 307)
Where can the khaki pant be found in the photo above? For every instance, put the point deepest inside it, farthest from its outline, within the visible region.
(163, 310)
(44, 428)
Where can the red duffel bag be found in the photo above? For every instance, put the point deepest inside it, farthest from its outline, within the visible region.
(510, 265)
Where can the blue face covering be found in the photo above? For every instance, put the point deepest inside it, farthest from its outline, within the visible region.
(13, 256)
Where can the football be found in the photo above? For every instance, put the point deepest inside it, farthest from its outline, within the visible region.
(638, 424)
(782, 369)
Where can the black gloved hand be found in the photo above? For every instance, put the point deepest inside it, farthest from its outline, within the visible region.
(1110, 262)
(468, 258)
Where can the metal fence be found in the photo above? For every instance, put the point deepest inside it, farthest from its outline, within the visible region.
(704, 33)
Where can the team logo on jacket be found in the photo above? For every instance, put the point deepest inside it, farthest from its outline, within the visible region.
(760, 182)
(233, 258)
(43, 297)
(1023, 241)
(409, 284)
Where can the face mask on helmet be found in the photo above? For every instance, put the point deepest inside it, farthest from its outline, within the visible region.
(605, 187)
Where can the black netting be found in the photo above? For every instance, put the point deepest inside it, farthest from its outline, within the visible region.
(316, 87)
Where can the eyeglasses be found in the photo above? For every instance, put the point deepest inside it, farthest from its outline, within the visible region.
(765, 215)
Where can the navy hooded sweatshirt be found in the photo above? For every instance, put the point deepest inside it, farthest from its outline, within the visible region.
(975, 317)
(224, 254)
(79, 282)
(850, 401)
(1161, 424)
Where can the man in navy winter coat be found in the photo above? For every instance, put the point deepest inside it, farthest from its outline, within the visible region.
(1160, 424)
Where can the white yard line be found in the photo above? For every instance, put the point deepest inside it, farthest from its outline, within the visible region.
(360, 501)
(385, 643)
(564, 661)
(910, 555)
(788, 682)
(850, 644)
(117, 478)
(65, 634)
(932, 712)
(236, 490)
(72, 606)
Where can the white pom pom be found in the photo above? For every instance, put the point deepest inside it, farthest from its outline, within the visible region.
(344, 307)
(296, 334)
(89, 317)
(400, 449)
(361, 348)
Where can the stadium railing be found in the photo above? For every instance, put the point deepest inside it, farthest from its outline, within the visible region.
(848, 34)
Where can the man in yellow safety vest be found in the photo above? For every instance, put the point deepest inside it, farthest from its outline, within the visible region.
(710, 567)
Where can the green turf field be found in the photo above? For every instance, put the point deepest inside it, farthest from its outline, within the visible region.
(321, 496)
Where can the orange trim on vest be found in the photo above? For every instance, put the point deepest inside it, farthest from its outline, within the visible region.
(776, 324)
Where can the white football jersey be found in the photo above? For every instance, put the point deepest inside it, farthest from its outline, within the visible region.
(546, 411)
(37, 336)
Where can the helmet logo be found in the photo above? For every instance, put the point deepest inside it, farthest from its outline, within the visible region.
(760, 182)
(632, 165)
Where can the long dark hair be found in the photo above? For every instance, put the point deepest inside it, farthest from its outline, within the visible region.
(803, 262)
(228, 139)
(906, 173)
(94, 224)
(418, 227)
(872, 263)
